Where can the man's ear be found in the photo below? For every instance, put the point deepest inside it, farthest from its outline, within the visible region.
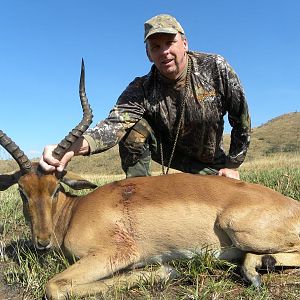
(148, 54)
(7, 180)
(75, 181)
(186, 44)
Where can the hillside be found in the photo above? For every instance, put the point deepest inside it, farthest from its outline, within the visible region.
(279, 135)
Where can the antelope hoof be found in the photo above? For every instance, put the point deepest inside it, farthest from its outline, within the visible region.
(171, 273)
(253, 279)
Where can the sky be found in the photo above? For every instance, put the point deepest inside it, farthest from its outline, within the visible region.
(42, 43)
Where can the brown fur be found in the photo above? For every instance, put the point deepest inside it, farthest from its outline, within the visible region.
(136, 221)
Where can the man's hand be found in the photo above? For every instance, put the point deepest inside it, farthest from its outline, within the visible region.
(50, 164)
(229, 173)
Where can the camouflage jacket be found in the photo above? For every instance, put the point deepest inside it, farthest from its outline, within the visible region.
(214, 91)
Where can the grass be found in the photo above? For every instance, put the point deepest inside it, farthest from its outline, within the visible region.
(31, 269)
(24, 271)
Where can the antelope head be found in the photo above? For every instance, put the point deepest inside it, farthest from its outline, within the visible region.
(39, 190)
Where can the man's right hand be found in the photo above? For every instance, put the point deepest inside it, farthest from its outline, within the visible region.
(51, 164)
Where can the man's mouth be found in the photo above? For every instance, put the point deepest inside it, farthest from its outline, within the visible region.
(166, 62)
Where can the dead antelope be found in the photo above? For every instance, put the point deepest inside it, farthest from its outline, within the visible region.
(127, 224)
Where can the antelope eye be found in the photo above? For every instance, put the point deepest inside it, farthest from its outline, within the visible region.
(23, 196)
(55, 193)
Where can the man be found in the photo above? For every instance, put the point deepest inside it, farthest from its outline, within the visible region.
(174, 114)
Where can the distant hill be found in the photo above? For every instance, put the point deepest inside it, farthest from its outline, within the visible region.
(281, 134)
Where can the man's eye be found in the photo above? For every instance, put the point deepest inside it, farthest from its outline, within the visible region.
(171, 42)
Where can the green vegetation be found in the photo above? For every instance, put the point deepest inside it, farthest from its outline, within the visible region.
(25, 271)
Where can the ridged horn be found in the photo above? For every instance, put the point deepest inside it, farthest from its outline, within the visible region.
(18, 155)
(86, 121)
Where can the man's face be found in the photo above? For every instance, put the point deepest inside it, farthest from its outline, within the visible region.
(168, 53)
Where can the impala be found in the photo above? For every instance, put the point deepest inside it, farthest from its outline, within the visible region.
(124, 225)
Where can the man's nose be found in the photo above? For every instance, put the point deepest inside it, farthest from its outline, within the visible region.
(165, 50)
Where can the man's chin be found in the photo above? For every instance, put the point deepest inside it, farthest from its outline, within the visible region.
(169, 73)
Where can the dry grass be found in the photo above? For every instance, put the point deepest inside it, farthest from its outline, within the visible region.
(274, 161)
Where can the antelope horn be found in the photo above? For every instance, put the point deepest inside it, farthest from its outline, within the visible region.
(18, 155)
(86, 121)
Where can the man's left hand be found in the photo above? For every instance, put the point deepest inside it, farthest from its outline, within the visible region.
(229, 173)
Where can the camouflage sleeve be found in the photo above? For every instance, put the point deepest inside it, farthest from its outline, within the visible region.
(238, 115)
(126, 112)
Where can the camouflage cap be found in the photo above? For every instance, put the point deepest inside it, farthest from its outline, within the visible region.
(162, 24)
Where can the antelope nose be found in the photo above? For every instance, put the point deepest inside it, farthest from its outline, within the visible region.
(43, 243)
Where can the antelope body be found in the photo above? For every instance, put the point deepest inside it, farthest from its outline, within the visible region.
(127, 224)
(134, 222)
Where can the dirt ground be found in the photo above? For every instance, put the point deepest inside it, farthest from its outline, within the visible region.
(8, 292)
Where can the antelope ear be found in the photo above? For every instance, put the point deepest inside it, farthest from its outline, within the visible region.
(75, 181)
(7, 180)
